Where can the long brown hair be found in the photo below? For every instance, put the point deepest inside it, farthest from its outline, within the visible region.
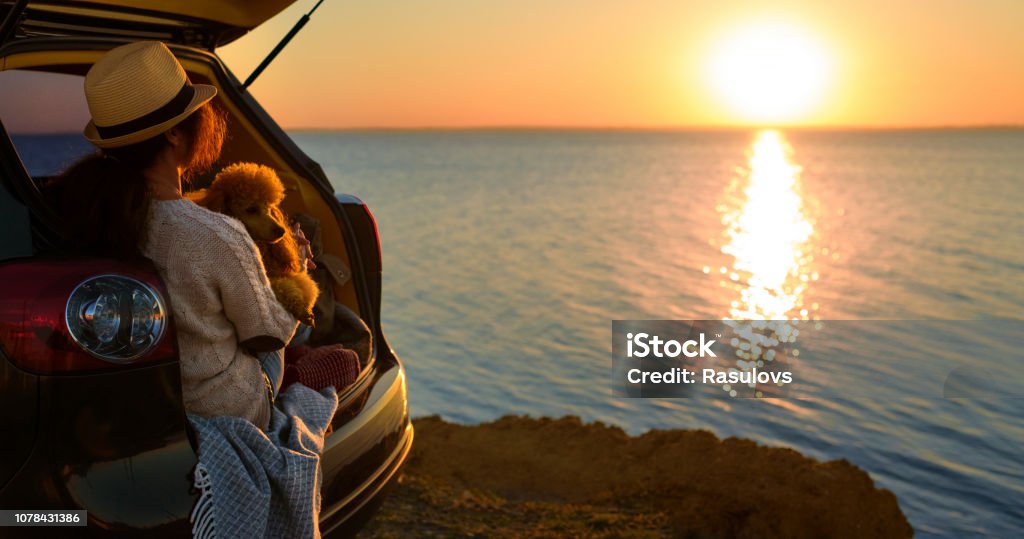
(103, 198)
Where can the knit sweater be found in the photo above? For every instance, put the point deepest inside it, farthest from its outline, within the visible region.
(219, 296)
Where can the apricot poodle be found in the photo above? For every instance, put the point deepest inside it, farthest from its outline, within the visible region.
(252, 193)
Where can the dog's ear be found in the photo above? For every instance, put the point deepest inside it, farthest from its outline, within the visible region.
(283, 255)
(278, 214)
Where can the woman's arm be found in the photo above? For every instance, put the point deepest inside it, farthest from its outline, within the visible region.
(249, 303)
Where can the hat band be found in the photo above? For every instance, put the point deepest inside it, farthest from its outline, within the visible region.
(174, 107)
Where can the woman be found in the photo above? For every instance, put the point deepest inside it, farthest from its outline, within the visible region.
(155, 129)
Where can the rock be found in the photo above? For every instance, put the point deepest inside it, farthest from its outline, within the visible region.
(520, 476)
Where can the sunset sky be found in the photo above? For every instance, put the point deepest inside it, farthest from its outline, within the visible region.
(628, 63)
(654, 63)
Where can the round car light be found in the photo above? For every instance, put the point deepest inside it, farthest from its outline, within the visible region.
(115, 318)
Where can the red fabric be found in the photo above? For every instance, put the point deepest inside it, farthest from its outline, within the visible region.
(317, 368)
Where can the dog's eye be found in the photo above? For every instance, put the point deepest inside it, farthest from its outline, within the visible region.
(252, 209)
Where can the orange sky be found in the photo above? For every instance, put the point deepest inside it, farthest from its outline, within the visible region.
(628, 63)
(611, 63)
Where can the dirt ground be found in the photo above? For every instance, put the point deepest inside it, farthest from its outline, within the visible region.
(527, 477)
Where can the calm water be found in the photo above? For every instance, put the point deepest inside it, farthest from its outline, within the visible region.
(507, 255)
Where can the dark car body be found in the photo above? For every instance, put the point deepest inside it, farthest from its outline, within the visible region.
(113, 439)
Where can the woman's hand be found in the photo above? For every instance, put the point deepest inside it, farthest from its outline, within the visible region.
(305, 251)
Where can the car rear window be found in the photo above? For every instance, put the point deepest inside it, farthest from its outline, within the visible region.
(44, 113)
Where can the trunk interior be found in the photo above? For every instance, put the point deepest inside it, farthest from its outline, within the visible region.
(340, 315)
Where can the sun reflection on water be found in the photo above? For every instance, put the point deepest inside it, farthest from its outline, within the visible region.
(768, 236)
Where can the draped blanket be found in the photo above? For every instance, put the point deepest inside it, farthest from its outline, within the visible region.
(256, 484)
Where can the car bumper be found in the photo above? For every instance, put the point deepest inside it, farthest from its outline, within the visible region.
(363, 456)
(85, 458)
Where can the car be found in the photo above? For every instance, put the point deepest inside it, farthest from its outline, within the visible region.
(110, 436)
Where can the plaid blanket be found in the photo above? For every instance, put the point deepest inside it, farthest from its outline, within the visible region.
(256, 484)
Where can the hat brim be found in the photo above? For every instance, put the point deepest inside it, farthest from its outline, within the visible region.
(203, 94)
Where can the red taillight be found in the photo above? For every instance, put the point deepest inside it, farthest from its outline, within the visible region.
(116, 313)
(349, 202)
(376, 236)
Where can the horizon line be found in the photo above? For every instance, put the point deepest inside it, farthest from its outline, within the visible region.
(622, 128)
(695, 128)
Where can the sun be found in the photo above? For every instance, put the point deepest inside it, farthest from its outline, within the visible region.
(769, 72)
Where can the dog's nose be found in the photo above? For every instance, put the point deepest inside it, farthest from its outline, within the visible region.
(278, 231)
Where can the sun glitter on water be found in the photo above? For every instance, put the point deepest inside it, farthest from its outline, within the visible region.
(769, 236)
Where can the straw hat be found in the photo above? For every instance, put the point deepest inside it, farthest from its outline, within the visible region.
(138, 91)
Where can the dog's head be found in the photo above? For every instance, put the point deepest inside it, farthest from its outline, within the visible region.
(252, 194)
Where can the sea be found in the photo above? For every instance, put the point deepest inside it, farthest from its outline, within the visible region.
(507, 254)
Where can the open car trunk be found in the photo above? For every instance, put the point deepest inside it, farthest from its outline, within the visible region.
(349, 265)
(200, 23)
